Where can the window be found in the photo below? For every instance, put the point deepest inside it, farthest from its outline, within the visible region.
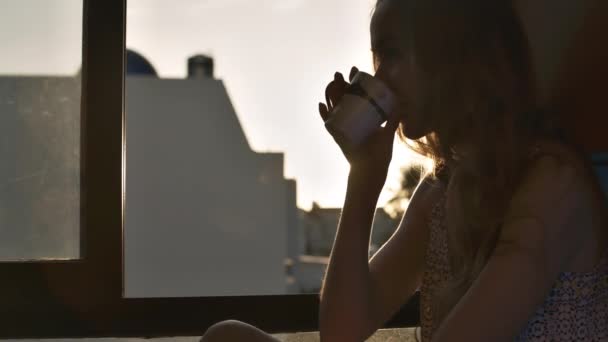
(84, 298)
(40, 125)
(68, 297)
(233, 185)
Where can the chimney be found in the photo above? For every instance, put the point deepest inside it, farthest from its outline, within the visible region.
(200, 66)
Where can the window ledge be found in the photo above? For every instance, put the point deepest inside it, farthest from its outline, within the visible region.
(382, 335)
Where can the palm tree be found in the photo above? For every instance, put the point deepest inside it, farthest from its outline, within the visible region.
(410, 177)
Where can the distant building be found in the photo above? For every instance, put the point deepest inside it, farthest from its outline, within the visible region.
(309, 273)
(318, 229)
(205, 214)
(317, 233)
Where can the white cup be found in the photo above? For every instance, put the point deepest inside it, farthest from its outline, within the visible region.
(361, 111)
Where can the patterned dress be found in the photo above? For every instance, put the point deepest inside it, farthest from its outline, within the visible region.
(576, 309)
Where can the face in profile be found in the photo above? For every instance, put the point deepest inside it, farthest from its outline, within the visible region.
(395, 64)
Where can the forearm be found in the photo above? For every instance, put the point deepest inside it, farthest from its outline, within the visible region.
(346, 297)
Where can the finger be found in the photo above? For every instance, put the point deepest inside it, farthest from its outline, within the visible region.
(328, 92)
(334, 91)
(339, 88)
(338, 77)
(323, 111)
(353, 72)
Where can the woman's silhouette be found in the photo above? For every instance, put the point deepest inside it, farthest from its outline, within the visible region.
(507, 236)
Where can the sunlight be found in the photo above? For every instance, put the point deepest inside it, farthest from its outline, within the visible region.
(276, 89)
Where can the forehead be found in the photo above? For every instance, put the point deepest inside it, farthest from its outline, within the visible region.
(387, 22)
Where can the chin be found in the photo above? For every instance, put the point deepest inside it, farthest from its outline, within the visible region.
(412, 133)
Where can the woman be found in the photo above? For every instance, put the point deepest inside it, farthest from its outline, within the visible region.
(507, 237)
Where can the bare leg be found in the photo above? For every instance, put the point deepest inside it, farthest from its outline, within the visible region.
(236, 331)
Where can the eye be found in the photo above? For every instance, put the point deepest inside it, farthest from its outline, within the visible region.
(391, 53)
(385, 55)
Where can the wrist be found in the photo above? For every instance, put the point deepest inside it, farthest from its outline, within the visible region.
(364, 183)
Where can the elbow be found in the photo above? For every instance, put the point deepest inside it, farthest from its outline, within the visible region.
(339, 336)
(340, 331)
(343, 323)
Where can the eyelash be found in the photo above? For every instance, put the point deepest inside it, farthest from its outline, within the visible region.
(392, 52)
(385, 54)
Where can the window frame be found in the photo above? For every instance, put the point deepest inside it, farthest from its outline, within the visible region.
(83, 298)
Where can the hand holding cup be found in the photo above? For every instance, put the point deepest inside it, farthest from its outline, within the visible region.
(354, 115)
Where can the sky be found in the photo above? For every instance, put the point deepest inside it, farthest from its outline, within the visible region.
(274, 56)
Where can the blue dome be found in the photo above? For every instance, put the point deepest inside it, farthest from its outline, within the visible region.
(139, 65)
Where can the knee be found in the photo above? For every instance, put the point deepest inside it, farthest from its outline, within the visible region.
(227, 331)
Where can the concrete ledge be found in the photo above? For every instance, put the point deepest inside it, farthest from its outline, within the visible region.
(383, 335)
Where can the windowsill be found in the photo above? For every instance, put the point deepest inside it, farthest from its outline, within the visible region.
(383, 335)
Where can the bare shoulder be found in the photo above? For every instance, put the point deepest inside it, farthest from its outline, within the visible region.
(554, 170)
(555, 195)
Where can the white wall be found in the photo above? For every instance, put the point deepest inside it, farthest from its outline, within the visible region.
(205, 215)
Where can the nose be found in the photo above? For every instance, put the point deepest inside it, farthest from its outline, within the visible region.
(385, 74)
(382, 73)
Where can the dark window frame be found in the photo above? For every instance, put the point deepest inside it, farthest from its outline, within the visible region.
(83, 298)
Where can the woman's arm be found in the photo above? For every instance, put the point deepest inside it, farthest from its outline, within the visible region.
(358, 296)
(345, 300)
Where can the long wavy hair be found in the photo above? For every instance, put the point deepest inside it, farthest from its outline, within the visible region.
(478, 77)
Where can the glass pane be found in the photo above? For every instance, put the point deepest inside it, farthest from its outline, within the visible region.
(40, 128)
(222, 121)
